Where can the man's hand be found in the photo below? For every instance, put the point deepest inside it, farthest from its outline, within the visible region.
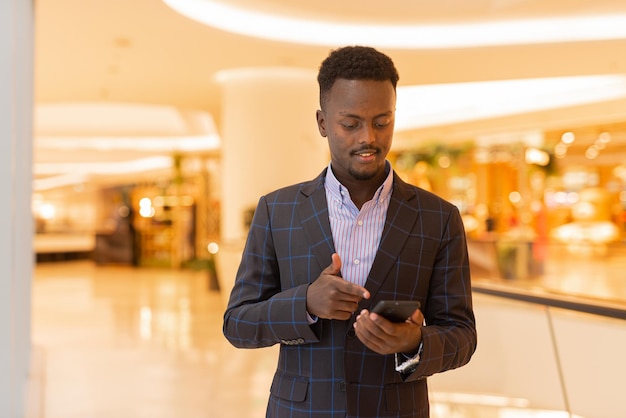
(386, 337)
(332, 297)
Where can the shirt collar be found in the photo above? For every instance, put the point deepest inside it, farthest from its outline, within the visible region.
(340, 192)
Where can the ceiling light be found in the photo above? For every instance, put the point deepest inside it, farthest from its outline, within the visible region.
(108, 168)
(250, 22)
(440, 104)
(58, 181)
(128, 143)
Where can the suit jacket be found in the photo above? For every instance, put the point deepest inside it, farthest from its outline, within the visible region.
(323, 369)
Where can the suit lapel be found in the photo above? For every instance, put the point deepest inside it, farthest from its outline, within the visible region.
(312, 209)
(400, 221)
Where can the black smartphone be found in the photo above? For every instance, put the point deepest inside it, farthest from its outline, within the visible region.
(396, 310)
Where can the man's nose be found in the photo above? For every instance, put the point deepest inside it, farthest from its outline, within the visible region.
(367, 135)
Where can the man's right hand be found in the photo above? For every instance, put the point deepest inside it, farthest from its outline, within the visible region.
(332, 297)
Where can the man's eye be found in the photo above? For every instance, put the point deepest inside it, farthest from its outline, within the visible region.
(349, 125)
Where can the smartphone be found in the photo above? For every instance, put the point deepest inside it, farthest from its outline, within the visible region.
(396, 310)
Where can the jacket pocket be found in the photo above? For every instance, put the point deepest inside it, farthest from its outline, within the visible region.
(291, 388)
(407, 396)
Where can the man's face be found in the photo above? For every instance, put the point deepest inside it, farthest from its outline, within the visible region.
(358, 121)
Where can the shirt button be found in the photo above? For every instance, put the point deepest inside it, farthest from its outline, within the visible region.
(356, 261)
(360, 223)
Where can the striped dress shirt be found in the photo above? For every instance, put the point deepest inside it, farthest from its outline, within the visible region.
(356, 233)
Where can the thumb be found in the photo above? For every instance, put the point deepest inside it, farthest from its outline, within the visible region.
(417, 317)
(334, 268)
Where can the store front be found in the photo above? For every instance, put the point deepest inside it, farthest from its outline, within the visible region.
(539, 209)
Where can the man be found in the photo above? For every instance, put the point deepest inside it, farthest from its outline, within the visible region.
(321, 254)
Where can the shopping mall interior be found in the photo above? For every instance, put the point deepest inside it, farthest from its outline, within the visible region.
(137, 137)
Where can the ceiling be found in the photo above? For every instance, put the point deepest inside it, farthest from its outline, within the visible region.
(143, 52)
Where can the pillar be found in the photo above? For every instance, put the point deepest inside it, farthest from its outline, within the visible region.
(269, 137)
(16, 255)
(269, 140)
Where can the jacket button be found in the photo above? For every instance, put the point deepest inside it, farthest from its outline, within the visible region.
(351, 333)
(342, 386)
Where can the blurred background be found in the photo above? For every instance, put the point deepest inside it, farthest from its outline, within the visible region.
(157, 124)
(514, 110)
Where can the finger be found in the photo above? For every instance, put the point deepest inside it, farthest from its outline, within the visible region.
(372, 322)
(334, 269)
(371, 334)
(352, 292)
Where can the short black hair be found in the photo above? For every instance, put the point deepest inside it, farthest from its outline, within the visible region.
(355, 63)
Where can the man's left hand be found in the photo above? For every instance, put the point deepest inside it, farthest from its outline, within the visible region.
(385, 337)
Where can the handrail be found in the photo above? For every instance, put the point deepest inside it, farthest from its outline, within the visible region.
(594, 307)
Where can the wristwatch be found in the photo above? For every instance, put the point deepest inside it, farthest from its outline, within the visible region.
(408, 364)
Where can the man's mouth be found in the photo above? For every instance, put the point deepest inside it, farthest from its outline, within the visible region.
(366, 153)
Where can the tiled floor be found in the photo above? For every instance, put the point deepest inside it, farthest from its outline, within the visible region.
(120, 342)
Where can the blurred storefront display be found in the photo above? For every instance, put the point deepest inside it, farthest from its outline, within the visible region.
(529, 206)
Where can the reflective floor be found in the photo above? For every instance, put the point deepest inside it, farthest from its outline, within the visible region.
(121, 342)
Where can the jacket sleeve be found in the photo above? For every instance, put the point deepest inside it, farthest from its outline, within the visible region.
(260, 311)
(449, 337)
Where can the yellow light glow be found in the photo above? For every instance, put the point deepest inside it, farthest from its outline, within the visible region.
(620, 172)
(250, 22)
(213, 248)
(568, 138)
(591, 153)
(560, 150)
(146, 210)
(47, 211)
(537, 156)
(515, 197)
(604, 138)
(444, 161)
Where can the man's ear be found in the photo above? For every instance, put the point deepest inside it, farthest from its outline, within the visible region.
(321, 122)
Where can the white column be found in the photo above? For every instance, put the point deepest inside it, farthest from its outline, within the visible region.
(269, 140)
(269, 137)
(16, 256)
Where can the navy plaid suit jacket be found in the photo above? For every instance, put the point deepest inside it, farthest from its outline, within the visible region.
(323, 369)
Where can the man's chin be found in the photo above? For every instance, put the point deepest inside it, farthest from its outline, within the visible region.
(363, 175)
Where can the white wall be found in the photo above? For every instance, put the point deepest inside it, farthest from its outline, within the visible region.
(592, 354)
(16, 260)
(545, 358)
